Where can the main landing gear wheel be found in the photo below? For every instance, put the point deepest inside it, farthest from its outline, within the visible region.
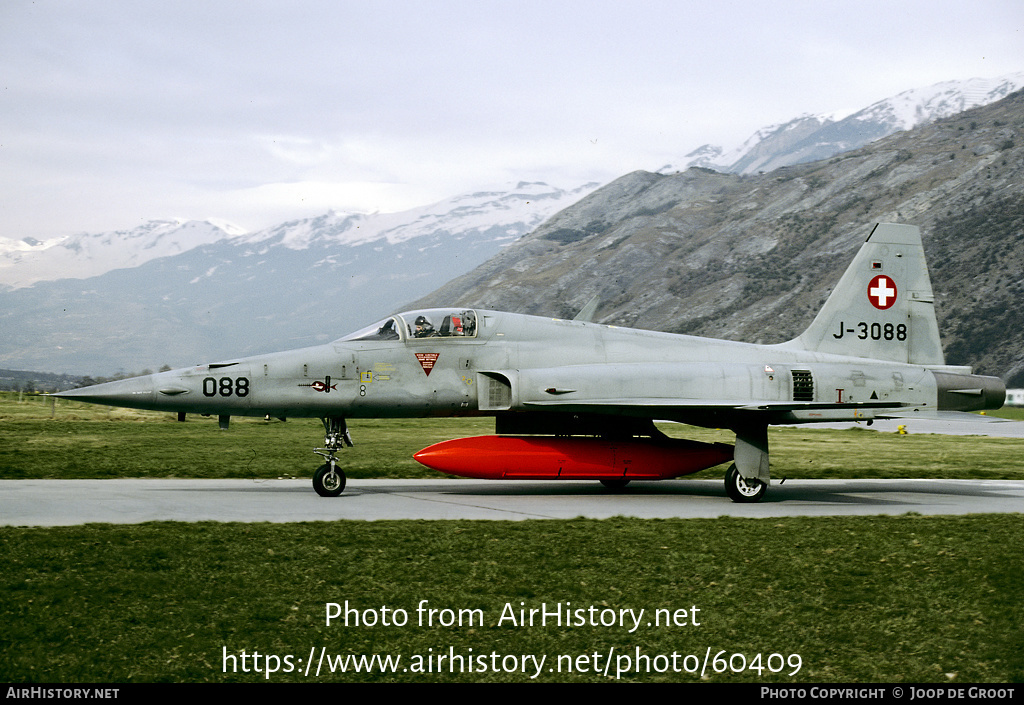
(329, 480)
(615, 484)
(741, 489)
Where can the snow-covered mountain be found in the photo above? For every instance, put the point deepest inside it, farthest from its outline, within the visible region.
(518, 210)
(25, 262)
(809, 138)
(299, 283)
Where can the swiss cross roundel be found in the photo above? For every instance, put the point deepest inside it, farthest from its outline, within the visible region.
(882, 292)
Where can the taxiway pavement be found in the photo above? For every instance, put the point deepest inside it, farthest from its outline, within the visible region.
(72, 502)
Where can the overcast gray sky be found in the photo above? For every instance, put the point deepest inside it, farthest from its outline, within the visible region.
(114, 112)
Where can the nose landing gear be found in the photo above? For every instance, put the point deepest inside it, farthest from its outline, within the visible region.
(329, 479)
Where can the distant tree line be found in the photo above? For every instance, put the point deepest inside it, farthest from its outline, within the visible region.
(31, 382)
(35, 382)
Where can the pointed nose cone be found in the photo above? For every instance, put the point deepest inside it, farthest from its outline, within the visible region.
(134, 393)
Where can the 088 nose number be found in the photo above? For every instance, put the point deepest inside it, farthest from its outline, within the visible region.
(226, 387)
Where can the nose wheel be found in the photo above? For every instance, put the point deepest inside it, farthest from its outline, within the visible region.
(329, 479)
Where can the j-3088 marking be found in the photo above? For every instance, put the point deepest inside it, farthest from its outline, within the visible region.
(873, 330)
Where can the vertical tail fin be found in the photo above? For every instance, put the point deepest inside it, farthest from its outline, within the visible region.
(883, 307)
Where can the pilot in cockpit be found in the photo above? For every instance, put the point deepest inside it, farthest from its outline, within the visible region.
(424, 328)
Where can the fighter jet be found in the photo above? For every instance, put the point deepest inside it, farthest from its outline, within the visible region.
(573, 399)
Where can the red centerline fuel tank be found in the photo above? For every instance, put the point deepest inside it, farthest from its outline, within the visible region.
(553, 458)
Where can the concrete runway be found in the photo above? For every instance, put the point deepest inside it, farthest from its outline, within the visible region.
(71, 502)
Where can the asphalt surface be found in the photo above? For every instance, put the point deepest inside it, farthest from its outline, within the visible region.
(71, 502)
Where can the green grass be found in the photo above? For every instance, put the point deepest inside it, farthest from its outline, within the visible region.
(75, 440)
(859, 599)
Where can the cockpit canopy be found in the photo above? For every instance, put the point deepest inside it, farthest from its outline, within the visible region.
(414, 325)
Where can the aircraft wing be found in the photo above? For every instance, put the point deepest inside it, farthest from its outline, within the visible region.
(723, 413)
(719, 412)
(741, 405)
